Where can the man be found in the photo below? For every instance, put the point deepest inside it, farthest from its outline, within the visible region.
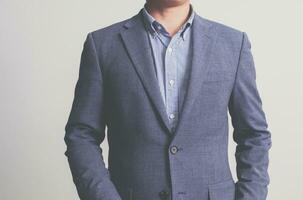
(163, 82)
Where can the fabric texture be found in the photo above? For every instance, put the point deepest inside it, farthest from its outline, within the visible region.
(117, 88)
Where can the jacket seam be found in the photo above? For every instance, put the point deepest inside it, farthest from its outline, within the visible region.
(96, 54)
(238, 63)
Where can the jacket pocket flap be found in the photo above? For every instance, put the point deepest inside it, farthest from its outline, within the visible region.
(219, 76)
(222, 191)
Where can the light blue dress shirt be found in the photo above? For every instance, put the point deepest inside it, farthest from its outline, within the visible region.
(171, 56)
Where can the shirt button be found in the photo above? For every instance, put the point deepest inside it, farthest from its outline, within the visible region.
(173, 149)
(169, 49)
(171, 82)
(171, 116)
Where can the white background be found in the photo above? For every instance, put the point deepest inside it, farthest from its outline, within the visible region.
(40, 46)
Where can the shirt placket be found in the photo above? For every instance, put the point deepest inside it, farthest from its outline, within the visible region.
(171, 80)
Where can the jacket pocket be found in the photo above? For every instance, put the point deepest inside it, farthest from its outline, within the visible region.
(222, 191)
(219, 76)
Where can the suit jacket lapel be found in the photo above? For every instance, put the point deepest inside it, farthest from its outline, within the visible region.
(136, 41)
(202, 43)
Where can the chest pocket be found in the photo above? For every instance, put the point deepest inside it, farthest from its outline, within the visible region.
(218, 76)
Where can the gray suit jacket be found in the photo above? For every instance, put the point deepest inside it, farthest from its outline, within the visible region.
(117, 88)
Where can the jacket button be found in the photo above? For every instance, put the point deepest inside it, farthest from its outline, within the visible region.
(163, 195)
(173, 149)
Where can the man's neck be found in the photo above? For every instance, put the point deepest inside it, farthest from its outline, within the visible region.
(172, 17)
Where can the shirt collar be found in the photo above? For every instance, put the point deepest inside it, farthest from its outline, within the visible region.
(154, 27)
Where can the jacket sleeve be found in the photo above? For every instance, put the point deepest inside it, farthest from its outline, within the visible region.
(85, 130)
(250, 130)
